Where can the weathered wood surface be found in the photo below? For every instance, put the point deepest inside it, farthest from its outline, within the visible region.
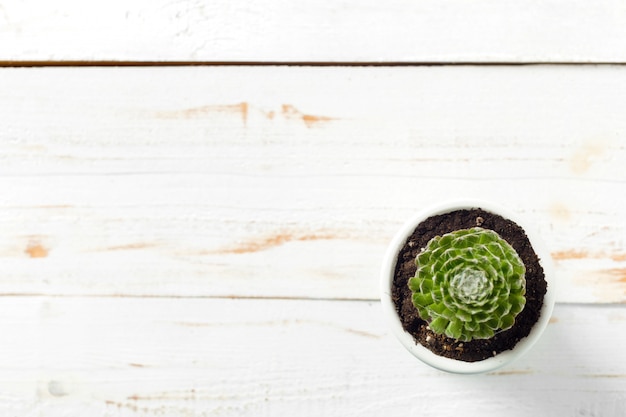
(319, 31)
(204, 357)
(206, 241)
(290, 182)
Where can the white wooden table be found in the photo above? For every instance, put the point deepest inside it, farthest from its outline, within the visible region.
(195, 198)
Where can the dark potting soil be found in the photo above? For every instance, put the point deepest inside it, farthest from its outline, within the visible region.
(474, 350)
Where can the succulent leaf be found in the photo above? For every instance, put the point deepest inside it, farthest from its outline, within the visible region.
(469, 284)
(439, 324)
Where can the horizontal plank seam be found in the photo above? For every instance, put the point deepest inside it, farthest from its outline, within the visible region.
(328, 175)
(251, 297)
(187, 297)
(106, 63)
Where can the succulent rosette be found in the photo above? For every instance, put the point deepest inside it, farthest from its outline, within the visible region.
(469, 284)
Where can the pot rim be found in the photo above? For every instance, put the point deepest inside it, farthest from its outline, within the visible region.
(423, 353)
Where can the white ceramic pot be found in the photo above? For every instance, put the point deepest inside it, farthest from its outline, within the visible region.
(423, 353)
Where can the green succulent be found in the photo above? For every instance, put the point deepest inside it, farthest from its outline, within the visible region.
(469, 284)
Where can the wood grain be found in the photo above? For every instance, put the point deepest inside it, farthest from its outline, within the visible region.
(290, 182)
(144, 357)
(449, 31)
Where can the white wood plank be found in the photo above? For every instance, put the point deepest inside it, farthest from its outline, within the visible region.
(320, 31)
(290, 182)
(131, 357)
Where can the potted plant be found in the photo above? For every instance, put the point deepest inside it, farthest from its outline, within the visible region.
(465, 286)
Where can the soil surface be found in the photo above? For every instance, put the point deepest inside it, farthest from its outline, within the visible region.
(475, 350)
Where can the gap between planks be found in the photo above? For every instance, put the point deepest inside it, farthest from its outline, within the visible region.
(252, 297)
(193, 297)
(43, 64)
